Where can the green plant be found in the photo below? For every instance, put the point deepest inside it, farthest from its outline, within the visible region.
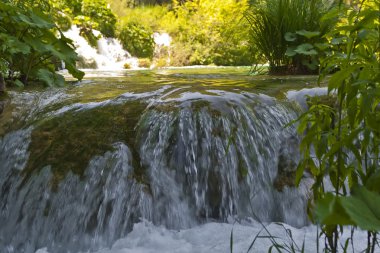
(146, 16)
(209, 32)
(31, 46)
(98, 12)
(271, 20)
(137, 39)
(342, 142)
(86, 26)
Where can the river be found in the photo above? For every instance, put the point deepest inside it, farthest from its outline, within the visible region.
(168, 160)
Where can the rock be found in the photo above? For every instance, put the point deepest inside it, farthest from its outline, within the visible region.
(287, 163)
(2, 85)
(2, 105)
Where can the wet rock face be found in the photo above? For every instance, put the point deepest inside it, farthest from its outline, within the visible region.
(2, 105)
(2, 93)
(287, 163)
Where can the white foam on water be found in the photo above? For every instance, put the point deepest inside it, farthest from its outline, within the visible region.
(215, 238)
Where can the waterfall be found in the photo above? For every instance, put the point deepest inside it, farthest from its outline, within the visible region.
(162, 47)
(191, 159)
(109, 54)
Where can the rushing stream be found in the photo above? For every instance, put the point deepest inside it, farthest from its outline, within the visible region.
(83, 166)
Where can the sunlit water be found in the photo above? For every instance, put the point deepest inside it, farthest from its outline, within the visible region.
(152, 161)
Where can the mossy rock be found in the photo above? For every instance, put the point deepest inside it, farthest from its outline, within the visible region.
(287, 163)
(283, 179)
(68, 142)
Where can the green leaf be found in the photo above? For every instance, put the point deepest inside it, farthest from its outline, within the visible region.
(373, 182)
(37, 44)
(329, 211)
(321, 46)
(308, 34)
(361, 209)
(290, 36)
(306, 49)
(371, 199)
(313, 64)
(50, 78)
(337, 41)
(360, 213)
(290, 51)
(74, 71)
(337, 79)
(35, 21)
(13, 45)
(299, 173)
(18, 83)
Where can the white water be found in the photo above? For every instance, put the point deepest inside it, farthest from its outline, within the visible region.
(216, 237)
(162, 46)
(162, 39)
(109, 54)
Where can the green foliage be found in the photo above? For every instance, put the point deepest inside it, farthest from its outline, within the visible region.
(86, 14)
(99, 13)
(147, 16)
(209, 32)
(30, 48)
(203, 32)
(342, 141)
(137, 39)
(277, 25)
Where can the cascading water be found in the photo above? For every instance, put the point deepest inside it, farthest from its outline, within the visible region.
(162, 46)
(175, 156)
(109, 54)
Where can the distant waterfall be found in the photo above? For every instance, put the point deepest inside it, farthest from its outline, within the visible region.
(109, 54)
(162, 47)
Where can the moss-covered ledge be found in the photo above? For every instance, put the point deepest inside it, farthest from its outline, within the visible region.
(69, 141)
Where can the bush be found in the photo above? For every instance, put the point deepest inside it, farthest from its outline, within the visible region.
(146, 16)
(209, 32)
(137, 40)
(32, 55)
(98, 12)
(86, 14)
(270, 20)
(203, 32)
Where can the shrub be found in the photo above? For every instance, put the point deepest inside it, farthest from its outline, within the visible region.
(146, 16)
(32, 55)
(98, 12)
(270, 20)
(203, 32)
(137, 40)
(342, 140)
(209, 32)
